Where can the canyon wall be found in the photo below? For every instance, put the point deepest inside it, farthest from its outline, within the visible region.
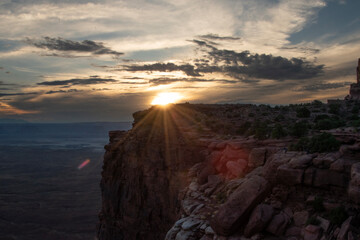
(144, 170)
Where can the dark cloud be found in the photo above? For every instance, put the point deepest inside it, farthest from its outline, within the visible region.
(7, 84)
(78, 81)
(188, 69)
(322, 86)
(217, 37)
(17, 94)
(302, 49)
(164, 81)
(63, 91)
(244, 66)
(60, 44)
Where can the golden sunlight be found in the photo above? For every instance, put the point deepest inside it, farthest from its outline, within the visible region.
(165, 98)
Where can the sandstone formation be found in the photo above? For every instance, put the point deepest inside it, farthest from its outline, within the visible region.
(171, 177)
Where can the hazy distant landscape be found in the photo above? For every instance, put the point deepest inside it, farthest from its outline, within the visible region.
(43, 194)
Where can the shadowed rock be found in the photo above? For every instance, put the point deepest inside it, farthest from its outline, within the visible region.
(238, 207)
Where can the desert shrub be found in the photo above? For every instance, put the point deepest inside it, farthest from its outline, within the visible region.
(355, 123)
(329, 123)
(279, 118)
(355, 110)
(321, 117)
(243, 128)
(324, 142)
(318, 204)
(265, 114)
(278, 131)
(261, 130)
(353, 117)
(299, 129)
(301, 145)
(317, 103)
(303, 112)
(251, 114)
(337, 215)
(334, 108)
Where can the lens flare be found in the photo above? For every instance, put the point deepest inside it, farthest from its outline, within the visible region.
(83, 164)
(166, 98)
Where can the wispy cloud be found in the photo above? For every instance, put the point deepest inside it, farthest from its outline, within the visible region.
(65, 45)
(78, 81)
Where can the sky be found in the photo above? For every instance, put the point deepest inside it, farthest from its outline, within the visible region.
(92, 60)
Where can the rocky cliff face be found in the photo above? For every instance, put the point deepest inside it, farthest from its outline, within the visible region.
(144, 170)
(171, 177)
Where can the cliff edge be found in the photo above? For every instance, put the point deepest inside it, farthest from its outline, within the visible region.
(144, 170)
(229, 172)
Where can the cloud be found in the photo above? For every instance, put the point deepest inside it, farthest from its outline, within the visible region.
(164, 81)
(63, 91)
(322, 86)
(65, 45)
(7, 109)
(17, 94)
(240, 65)
(78, 81)
(188, 69)
(217, 37)
(7, 84)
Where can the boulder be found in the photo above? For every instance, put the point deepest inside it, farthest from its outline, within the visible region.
(273, 163)
(259, 218)
(301, 161)
(338, 165)
(300, 218)
(171, 234)
(236, 210)
(236, 168)
(309, 175)
(324, 161)
(345, 227)
(205, 172)
(293, 231)
(190, 223)
(278, 224)
(312, 232)
(324, 223)
(289, 176)
(325, 178)
(185, 235)
(257, 157)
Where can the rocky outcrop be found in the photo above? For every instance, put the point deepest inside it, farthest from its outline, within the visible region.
(143, 172)
(238, 207)
(165, 180)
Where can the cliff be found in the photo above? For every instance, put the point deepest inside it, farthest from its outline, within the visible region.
(144, 170)
(227, 172)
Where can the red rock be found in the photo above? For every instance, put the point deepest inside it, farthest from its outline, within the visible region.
(325, 178)
(312, 232)
(236, 210)
(259, 218)
(278, 224)
(289, 176)
(236, 168)
(300, 218)
(257, 157)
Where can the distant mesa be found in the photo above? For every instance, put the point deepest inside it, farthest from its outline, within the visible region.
(10, 120)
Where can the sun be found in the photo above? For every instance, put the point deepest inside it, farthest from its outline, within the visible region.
(166, 98)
